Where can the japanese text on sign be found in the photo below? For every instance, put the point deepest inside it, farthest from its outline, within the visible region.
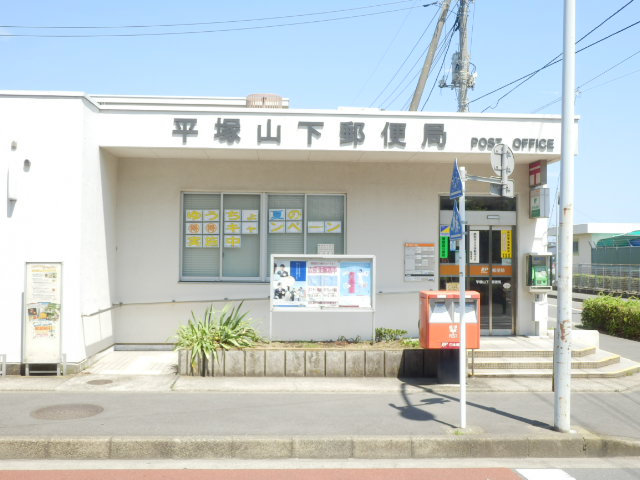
(229, 131)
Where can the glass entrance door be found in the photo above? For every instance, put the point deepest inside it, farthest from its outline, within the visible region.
(489, 272)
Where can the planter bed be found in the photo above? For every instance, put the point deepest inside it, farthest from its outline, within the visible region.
(304, 361)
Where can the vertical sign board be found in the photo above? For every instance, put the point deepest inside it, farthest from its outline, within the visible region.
(474, 246)
(42, 313)
(444, 241)
(539, 202)
(444, 247)
(506, 244)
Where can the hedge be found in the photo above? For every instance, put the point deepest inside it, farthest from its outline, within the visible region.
(613, 315)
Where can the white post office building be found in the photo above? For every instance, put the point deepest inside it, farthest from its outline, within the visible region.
(145, 209)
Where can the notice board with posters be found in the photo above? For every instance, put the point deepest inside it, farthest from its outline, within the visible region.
(321, 282)
(420, 261)
(42, 313)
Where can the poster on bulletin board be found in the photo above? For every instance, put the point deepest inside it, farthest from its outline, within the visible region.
(314, 282)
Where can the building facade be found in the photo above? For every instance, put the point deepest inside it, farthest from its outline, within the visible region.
(156, 207)
(587, 235)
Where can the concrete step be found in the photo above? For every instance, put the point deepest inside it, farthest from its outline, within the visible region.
(622, 368)
(577, 351)
(595, 360)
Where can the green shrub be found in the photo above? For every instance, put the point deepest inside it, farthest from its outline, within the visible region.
(388, 334)
(344, 339)
(223, 329)
(613, 315)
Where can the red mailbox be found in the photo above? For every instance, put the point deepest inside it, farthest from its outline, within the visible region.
(440, 319)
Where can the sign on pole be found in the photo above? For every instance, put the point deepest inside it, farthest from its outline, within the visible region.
(502, 159)
(456, 224)
(456, 182)
(502, 190)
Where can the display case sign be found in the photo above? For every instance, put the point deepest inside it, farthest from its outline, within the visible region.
(42, 314)
(316, 282)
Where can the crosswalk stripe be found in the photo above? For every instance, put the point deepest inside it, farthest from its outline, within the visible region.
(544, 474)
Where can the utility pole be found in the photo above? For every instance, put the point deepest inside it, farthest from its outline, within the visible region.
(463, 73)
(562, 336)
(426, 68)
(461, 78)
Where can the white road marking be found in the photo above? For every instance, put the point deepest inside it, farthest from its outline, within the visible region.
(544, 474)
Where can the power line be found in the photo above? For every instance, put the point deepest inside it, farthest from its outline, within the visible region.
(385, 54)
(97, 27)
(444, 59)
(256, 27)
(386, 102)
(442, 51)
(611, 81)
(609, 69)
(404, 61)
(557, 58)
(549, 64)
(412, 79)
(579, 88)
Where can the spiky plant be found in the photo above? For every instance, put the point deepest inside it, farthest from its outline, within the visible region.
(224, 329)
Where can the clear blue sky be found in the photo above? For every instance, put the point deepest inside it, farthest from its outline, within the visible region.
(350, 62)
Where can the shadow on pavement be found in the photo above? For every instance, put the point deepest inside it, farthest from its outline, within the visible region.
(414, 412)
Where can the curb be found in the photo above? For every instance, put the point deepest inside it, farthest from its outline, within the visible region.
(558, 445)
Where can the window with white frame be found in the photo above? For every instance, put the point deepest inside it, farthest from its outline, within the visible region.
(231, 236)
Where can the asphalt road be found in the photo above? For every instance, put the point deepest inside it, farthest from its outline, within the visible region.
(576, 312)
(216, 413)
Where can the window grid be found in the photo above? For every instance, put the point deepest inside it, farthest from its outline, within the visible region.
(225, 263)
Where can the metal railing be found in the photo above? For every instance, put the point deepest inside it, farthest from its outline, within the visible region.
(623, 279)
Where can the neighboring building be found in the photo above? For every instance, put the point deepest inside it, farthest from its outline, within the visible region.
(623, 249)
(587, 235)
(108, 186)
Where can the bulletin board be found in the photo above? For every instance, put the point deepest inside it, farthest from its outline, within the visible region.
(322, 282)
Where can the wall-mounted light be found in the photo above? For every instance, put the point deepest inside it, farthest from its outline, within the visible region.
(27, 165)
(14, 145)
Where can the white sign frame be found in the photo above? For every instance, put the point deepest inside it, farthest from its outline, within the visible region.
(40, 288)
(300, 307)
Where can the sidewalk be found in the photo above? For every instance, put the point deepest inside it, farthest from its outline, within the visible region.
(575, 296)
(159, 415)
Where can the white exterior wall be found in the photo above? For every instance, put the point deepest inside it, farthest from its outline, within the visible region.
(531, 238)
(403, 197)
(103, 197)
(44, 224)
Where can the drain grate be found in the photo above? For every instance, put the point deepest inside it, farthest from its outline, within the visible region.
(99, 382)
(70, 411)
